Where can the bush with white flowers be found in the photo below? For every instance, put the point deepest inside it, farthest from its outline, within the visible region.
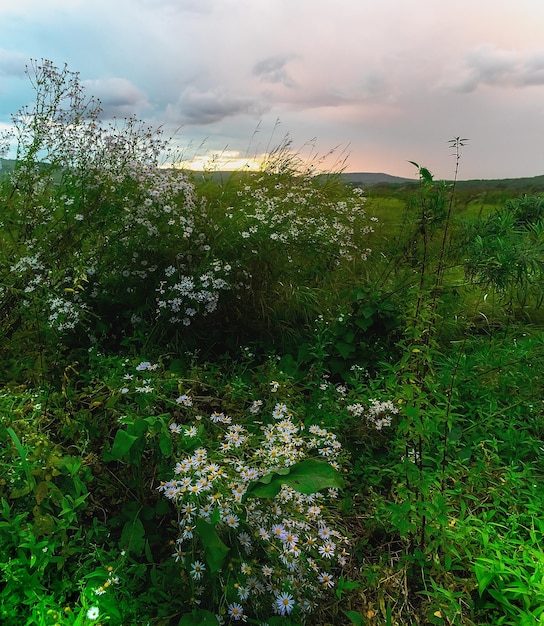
(257, 512)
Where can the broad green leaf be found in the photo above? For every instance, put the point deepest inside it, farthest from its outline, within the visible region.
(216, 550)
(132, 537)
(307, 477)
(122, 444)
(139, 427)
(165, 444)
(216, 516)
(355, 617)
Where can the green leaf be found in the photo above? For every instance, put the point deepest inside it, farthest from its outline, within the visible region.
(132, 537)
(165, 444)
(216, 516)
(198, 617)
(122, 444)
(22, 454)
(355, 617)
(484, 577)
(215, 550)
(309, 476)
(426, 175)
(346, 350)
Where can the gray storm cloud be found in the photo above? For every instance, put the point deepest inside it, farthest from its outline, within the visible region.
(195, 107)
(272, 70)
(118, 96)
(492, 66)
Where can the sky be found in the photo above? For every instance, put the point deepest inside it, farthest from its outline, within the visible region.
(372, 84)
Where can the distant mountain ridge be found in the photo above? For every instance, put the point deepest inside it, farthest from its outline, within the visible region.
(375, 178)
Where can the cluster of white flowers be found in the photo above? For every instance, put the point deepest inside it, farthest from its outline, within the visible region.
(286, 546)
(378, 414)
(273, 210)
(181, 297)
(65, 314)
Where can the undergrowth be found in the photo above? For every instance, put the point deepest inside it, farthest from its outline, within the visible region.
(254, 400)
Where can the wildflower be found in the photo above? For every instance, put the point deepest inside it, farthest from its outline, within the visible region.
(267, 570)
(327, 549)
(326, 580)
(183, 466)
(197, 569)
(185, 400)
(232, 520)
(93, 613)
(324, 532)
(278, 530)
(175, 428)
(279, 410)
(188, 534)
(179, 555)
(199, 457)
(146, 366)
(144, 389)
(188, 509)
(236, 611)
(243, 592)
(313, 512)
(212, 470)
(274, 386)
(217, 417)
(190, 432)
(291, 539)
(245, 540)
(284, 603)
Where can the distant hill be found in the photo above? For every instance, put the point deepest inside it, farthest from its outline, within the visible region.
(534, 184)
(375, 178)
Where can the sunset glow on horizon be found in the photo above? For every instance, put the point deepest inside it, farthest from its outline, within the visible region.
(220, 162)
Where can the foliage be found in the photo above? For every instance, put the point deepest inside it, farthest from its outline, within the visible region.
(102, 240)
(219, 406)
(505, 252)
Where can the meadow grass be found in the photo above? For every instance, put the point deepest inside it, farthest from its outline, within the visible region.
(271, 399)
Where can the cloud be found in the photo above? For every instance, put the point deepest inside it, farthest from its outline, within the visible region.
(195, 107)
(272, 70)
(496, 67)
(118, 96)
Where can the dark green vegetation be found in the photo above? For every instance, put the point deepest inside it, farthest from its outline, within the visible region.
(252, 400)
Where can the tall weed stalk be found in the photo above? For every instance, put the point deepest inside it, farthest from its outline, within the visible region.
(428, 412)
